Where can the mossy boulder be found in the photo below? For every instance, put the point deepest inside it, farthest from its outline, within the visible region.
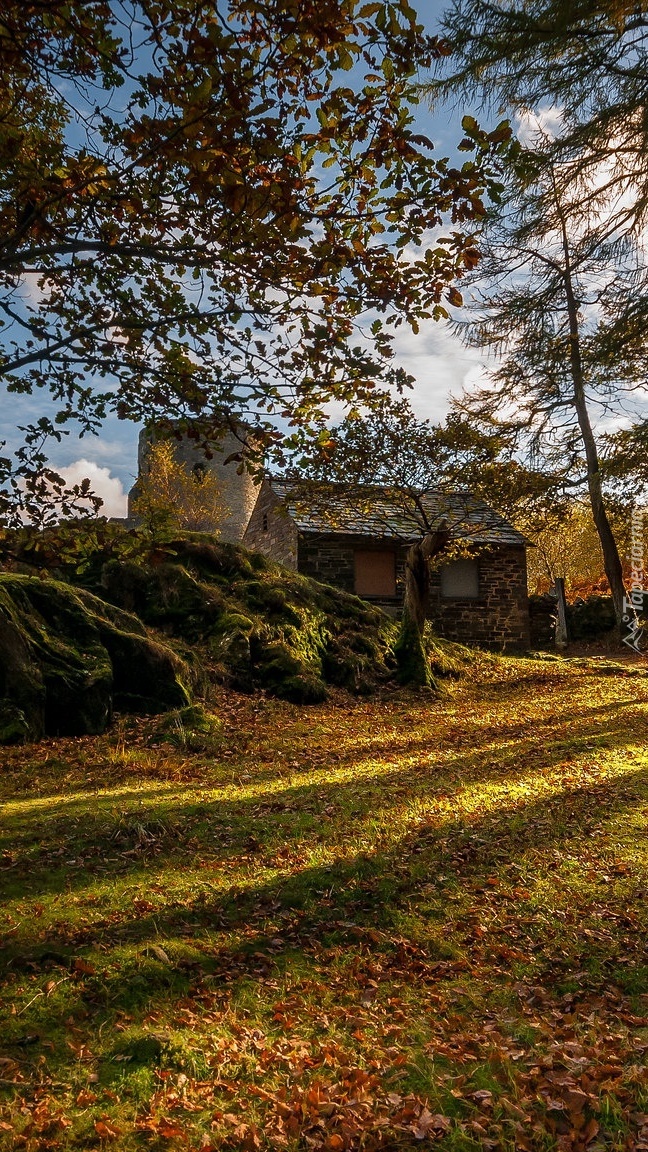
(263, 626)
(233, 615)
(56, 672)
(16, 726)
(66, 659)
(193, 728)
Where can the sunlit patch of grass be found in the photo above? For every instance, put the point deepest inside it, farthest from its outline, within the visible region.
(446, 897)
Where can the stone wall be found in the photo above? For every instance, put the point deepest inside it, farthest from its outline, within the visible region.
(543, 613)
(330, 559)
(270, 529)
(497, 618)
(238, 491)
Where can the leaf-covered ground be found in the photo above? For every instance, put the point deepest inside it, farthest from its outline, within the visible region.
(365, 924)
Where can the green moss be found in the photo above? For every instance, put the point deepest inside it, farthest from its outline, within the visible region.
(235, 622)
(247, 621)
(411, 657)
(302, 689)
(143, 1049)
(15, 728)
(192, 728)
(66, 657)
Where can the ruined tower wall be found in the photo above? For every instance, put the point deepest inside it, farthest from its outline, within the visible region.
(238, 492)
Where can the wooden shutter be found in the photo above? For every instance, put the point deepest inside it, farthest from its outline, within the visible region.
(375, 573)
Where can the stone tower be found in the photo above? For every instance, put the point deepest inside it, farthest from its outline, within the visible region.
(238, 492)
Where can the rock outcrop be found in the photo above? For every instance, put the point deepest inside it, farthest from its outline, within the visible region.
(71, 654)
(67, 659)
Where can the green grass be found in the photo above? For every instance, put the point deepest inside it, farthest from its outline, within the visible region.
(373, 923)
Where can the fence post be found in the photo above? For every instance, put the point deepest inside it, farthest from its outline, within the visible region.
(562, 635)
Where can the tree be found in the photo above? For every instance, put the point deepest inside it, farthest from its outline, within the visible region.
(568, 548)
(552, 274)
(582, 63)
(580, 67)
(202, 203)
(171, 495)
(424, 484)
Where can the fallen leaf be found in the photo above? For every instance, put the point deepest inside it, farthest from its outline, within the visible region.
(82, 967)
(106, 1129)
(159, 954)
(85, 1097)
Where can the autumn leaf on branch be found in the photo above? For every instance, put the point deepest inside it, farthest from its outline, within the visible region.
(217, 241)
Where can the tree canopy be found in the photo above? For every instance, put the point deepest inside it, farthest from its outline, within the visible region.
(564, 291)
(208, 210)
(578, 63)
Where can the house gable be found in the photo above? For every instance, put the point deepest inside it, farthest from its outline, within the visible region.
(271, 529)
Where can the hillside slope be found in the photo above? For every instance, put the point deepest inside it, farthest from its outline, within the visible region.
(121, 623)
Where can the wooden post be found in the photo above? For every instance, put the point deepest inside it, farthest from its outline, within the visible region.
(562, 635)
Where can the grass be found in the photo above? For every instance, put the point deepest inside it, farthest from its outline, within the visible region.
(373, 923)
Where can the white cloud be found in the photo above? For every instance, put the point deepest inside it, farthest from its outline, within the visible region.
(440, 365)
(102, 483)
(533, 123)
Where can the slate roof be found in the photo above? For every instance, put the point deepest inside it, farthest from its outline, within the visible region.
(335, 509)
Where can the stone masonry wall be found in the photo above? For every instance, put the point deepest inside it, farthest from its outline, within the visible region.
(270, 529)
(331, 560)
(499, 616)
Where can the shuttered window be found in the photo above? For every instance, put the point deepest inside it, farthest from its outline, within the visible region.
(375, 573)
(460, 580)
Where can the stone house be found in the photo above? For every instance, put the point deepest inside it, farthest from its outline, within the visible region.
(359, 542)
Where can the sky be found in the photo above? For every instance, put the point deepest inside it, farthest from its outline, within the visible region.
(437, 360)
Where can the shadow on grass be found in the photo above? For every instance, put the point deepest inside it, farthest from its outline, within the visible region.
(61, 846)
(234, 935)
(223, 936)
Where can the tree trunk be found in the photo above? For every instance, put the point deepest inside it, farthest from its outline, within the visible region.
(413, 664)
(417, 584)
(611, 558)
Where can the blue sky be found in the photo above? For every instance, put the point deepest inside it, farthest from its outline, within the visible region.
(434, 357)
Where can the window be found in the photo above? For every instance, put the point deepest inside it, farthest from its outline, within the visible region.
(375, 573)
(265, 521)
(460, 580)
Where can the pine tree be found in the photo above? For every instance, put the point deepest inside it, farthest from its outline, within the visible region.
(552, 286)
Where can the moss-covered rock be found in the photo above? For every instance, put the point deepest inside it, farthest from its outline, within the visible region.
(66, 659)
(59, 673)
(16, 726)
(148, 676)
(265, 627)
(233, 615)
(193, 728)
(22, 690)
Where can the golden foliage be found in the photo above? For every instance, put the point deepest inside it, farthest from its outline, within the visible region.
(173, 496)
(570, 549)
